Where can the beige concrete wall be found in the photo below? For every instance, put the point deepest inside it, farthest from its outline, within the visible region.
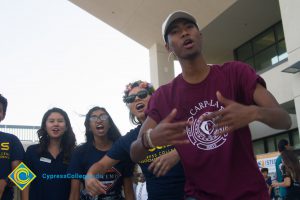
(279, 83)
(161, 68)
(290, 19)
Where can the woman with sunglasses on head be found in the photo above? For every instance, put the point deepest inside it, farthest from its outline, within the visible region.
(101, 133)
(166, 181)
(51, 157)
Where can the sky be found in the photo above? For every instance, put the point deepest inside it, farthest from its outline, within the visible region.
(54, 54)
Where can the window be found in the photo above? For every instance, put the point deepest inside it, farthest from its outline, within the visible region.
(279, 31)
(264, 50)
(266, 58)
(244, 52)
(296, 140)
(269, 144)
(263, 41)
(259, 147)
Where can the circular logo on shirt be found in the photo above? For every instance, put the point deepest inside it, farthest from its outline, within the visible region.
(203, 134)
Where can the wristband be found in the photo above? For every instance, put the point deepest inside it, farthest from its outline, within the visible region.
(149, 138)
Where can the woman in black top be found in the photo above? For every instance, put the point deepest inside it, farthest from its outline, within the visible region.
(49, 159)
(162, 168)
(291, 173)
(101, 133)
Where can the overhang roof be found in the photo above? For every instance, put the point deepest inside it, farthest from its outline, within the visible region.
(225, 24)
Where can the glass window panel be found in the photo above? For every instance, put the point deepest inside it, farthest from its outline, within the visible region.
(265, 49)
(279, 31)
(281, 47)
(271, 144)
(263, 41)
(296, 140)
(266, 58)
(282, 54)
(250, 61)
(258, 147)
(244, 52)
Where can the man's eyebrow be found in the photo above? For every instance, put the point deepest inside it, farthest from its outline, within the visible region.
(175, 24)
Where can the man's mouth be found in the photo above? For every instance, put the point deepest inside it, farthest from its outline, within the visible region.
(188, 43)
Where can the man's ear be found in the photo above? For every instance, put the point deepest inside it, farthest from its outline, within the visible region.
(167, 47)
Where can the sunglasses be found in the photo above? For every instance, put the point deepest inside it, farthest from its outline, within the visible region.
(103, 117)
(141, 94)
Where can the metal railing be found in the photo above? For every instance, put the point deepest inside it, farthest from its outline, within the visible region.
(23, 132)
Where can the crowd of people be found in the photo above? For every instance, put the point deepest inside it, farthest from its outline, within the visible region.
(286, 181)
(192, 140)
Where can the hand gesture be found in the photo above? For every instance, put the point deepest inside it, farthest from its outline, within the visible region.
(232, 117)
(168, 132)
(161, 165)
(94, 186)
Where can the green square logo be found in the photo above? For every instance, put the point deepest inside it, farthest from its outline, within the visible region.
(21, 176)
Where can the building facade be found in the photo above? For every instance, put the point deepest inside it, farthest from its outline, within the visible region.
(264, 34)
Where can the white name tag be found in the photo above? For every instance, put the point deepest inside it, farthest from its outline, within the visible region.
(47, 160)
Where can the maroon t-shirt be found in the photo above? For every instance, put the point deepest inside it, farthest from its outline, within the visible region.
(216, 167)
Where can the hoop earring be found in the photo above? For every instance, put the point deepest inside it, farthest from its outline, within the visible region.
(173, 56)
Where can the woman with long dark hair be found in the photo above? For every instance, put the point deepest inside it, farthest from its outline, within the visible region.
(101, 133)
(49, 159)
(162, 168)
(291, 173)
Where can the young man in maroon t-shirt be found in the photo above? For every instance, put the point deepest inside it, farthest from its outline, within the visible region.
(205, 112)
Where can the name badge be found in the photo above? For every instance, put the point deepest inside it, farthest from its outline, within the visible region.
(47, 160)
